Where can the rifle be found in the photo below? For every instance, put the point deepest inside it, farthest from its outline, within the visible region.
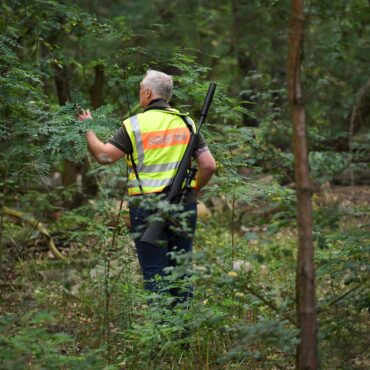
(185, 174)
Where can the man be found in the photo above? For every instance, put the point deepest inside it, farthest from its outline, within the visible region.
(154, 142)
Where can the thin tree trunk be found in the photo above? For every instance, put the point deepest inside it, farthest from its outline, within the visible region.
(89, 182)
(96, 91)
(69, 174)
(360, 111)
(70, 169)
(62, 83)
(305, 284)
(245, 63)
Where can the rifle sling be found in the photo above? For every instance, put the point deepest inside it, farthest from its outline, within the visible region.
(134, 167)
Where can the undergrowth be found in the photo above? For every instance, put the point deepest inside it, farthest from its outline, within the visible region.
(92, 311)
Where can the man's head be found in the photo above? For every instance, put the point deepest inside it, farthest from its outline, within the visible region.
(155, 85)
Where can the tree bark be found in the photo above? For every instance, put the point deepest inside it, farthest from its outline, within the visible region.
(305, 278)
(96, 91)
(244, 62)
(62, 83)
(70, 169)
(89, 182)
(69, 174)
(360, 112)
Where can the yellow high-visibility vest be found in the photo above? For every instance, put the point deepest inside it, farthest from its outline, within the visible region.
(159, 139)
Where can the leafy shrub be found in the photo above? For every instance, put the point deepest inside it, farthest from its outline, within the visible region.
(29, 341)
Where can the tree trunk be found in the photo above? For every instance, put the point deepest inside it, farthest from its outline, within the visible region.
(69, 174)
(62, 83)
(305, 283)
(89, 182)
(244, 62)
(70, 169)
(96, 91)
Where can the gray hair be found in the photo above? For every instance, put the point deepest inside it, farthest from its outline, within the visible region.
(160, 83)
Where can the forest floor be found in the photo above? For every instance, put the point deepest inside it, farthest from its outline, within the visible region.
(87, 303)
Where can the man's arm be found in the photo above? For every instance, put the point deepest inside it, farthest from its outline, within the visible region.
(103, 153)
(206, 167)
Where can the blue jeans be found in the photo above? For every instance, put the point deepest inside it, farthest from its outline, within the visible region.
(157, 262)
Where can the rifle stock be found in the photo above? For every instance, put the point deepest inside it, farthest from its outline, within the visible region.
(152, 234)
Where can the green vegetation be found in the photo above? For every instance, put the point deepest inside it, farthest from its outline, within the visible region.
(89, 310)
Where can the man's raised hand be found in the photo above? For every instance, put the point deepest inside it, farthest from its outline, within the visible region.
(84, 115)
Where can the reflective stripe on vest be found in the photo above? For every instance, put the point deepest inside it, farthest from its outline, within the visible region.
(158, 167)
(157, 153)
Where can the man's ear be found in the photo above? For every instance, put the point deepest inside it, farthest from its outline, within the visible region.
(148, 93)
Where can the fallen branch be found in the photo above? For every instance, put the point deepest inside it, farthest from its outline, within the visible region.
(37, 225)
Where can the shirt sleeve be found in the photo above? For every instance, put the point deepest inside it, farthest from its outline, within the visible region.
(121, 140)
(200, 147)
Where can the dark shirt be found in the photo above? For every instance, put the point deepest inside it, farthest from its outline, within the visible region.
(121, 139)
